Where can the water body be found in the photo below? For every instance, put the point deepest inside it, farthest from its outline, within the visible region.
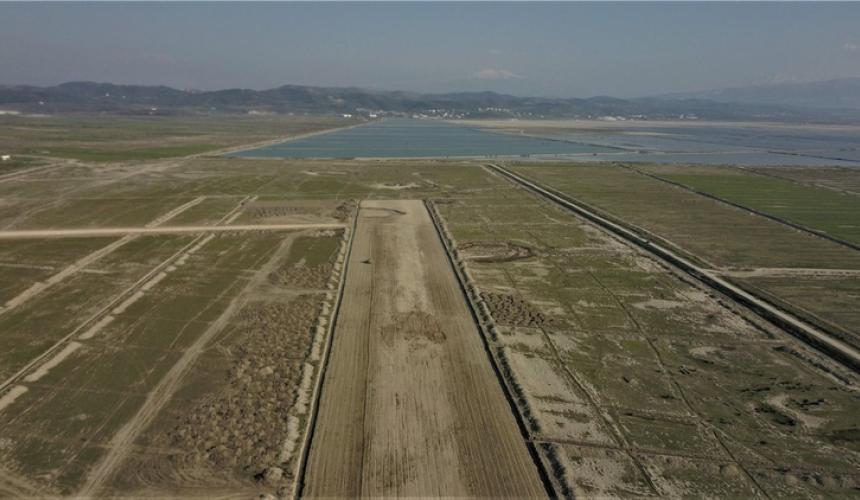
(405, 138)
(713, 145)
(759, 145)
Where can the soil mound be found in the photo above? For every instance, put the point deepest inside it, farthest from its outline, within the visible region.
(496, 251)
(243, 425)
(512, 310)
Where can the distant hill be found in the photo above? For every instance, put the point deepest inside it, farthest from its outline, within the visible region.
(843, 93)
(90, 97)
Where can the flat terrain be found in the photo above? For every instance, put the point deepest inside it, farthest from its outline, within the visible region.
(207, 326)
(756, 246)
(820, 209)
(637, 382)
(410, 405)
(692, 141)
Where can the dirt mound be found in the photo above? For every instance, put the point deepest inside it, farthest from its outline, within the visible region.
(242, 426)
(345, 210)
(302, 274)
(415, 326)
(268, 212)
(512, 310)
(495, 251)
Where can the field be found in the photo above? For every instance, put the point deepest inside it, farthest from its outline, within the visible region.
(839, 179)
(822, 210)
(92, 139)
(208, 326)
(728, 239)
(632, 379)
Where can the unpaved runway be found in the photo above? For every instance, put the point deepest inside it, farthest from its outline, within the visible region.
(410, 405)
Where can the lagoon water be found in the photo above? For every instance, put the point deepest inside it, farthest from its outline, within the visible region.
(725, 144)
(406, 138)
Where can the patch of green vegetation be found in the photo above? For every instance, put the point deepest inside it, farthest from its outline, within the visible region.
(113, 138)
(833, 301)
(836, 178)
(19, 162)
(721, 235)
(313, 250)
(32, 327)
(820, 209)
(101, 212)
(104, 154)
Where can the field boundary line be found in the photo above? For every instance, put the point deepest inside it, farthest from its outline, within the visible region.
(24, 172)
(79, 265)
(120, 444)
(545, 477)
(118, 231)
(775, 218)
(784, 320)
(273, 142)
(752, 170)
(313, 413)
(115, 300)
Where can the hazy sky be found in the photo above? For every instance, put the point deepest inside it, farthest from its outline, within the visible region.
(571, 49)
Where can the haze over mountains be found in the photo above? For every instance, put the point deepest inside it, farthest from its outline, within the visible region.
(836, 101)
(841, 93)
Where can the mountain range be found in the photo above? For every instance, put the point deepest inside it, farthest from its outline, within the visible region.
(841, 93)
(837, 101)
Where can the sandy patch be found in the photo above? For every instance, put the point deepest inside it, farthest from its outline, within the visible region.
(56, 360)
(11, 396)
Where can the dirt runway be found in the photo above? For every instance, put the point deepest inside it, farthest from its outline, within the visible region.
(410, 405)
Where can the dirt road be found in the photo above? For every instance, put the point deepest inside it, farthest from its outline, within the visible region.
(119, 231)
(410, 405)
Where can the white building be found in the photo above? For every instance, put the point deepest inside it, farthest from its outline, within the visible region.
(5, 157)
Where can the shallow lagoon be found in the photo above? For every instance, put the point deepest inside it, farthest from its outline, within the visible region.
(405, 138)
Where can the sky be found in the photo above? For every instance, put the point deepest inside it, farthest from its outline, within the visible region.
(540, 49)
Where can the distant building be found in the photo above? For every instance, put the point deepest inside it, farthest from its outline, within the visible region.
(347, 115)
(5, 157)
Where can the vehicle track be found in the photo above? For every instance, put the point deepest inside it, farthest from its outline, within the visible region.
(118, 231)
(122, 442)
(114, 302)
(89, 259)
(806, 332)
(23, 173)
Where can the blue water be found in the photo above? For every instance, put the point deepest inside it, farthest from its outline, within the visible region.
(714, 145)
(405, 138)
(738, 145)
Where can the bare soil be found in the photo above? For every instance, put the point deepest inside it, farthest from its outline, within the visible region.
(410, 405)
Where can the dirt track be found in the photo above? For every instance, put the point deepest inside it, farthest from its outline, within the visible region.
(119, 231)
(410, 405)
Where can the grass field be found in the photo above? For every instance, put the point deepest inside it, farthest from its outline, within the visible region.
(93, 139)
(839, 179)
(830, 212)
(723, 237)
